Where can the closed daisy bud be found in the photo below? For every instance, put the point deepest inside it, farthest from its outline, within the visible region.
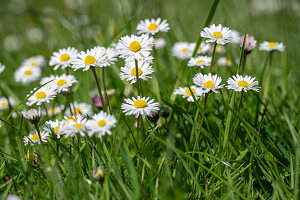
(98, 174)
(97, 101)
(250, 43)
(32, 115)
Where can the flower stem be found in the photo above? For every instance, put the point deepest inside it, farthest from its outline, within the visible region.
(104, 87)
(244, 63)
(98, 86)
(38, 131)
(46, 110)
(213, 56)
(137, 76)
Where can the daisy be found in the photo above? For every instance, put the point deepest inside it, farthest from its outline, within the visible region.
(200, 61)
(108, 56)
(34, 138)
(56, 127)
(87, 59)
(149, 59)
(75, 126)
(152, 26)
(63, 58)
(101, 123)
(182, 50)
(250, 43)
(220, 35)
(186, 92)
(140, 106)
(208, 82)
(27, 74)
(32, 115)
(159, 43)
(271, 46)
(36, 61)
(240, 83)
(220, 49)
(52, 110)
(63, 82)
(202, 49)
(42, 95)
(2, 68)
(82, 108)
(129, 71)
(235, 37)
(47, 80)
(4, 103)
(223, 61)
(134, 46)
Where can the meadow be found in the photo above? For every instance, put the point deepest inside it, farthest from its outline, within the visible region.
(96, 102)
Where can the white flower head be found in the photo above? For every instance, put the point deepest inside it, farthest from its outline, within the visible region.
(220, 35)
(34, 138)
(109, 56)
(185, 92)
(2, 68)
(271, 46)
(42, 95)
(183, 50)
(101, 123)
(78, 126)
(82, 109)
(220, 49)
(56, 127)
(200, 61)
(4, 103)
(140, 106)
(235, 37)
(240, 83)
(128, 72)
(63, 57)
(159, 43)
(135, 46)
(88, 59)
(63, 82)
(152, 26)
(208, 82)
(36, 61)
(27, 74)
(223, 61)
(32, 115)
(250, 43)
(202, 49)
(53, 110)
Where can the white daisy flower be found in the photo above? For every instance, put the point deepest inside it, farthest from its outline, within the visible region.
(77, 126)
(36, 61)
(235, 37)
(159, 43)
(200, 61)
(42, 95)
(208, 82)
(152, 26)
(140, 106)
(108, 58)
(63, 82)
(34, 138)
(220, 49)
(2, 68)
(183, 50)
(223, 61)
(240, 83)
(220, 35)
(88, 59)
(27, 74)
(101, 123)
(128, 72)
(271, 46)
(81, 108)
(53, 110)
(134, 46)
(4, 103)
(63, 58)
(202, 49)
(186, 93)
(47, 80)
(56, 127)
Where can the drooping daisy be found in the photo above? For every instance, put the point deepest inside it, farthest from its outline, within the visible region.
(202, 49)
(208, 82)
(152, 26)
(53, 110)
(240, 83)
(271, 46)
(4, 103)
(223, 61)
(220, 35)
(159, 43)
(81, 108)
(182, 50)
(34, 138)
(186, 92)
(250, 43)
(85, 60)
(134, 46)
(77, 126)
(2, 68)
(128, 72)
(101, 123)
(32, 115)
(235, 37)
(200, 61)
(42, 95)
(63, 57)
(36, 61)
(27, 74)
(56, 127)
(140, 106)
(63, 82)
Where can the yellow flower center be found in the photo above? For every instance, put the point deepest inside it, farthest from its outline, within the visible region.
(100, 173)
(133, 72)
(35, 137)
(209, 84)
(199, 62)
(71, 118)
(140, 103)
(56, 129)
(188, 92)
(135, 46)
(89, 60)
(228, 61)
(272, 44)
(64, 57)
(61, 82)
(101, 123)
(33, 63)
(40, 95)
(218, 48)
(184, 50)
(78, 111)
(200, 48)
(28, 72)
(152, 27)
(4, 104)
(27, 156)
(217, 35)
(243, 84)
(78, 125)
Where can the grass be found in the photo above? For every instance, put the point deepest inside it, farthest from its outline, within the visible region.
(246, 153)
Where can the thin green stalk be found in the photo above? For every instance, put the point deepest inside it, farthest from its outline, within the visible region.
(213, 56)
(38, 131)
(137, 76)
(104, 87)
(267, 83)
(46, 110)
(98, 86)
(244, 63)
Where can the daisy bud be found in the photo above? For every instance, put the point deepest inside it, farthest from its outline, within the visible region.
(32, 115)
(98, 174)
(250, 43)
(97, 101)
